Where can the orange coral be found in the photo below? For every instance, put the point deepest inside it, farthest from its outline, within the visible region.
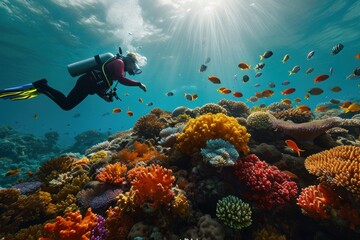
(212, 126)
(339, 166)
(118, 224)
(72, 227)
(313, 202)
(142, 152)
(153, 185)
(113, 174)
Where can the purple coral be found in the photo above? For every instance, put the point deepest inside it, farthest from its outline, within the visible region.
(99, 232)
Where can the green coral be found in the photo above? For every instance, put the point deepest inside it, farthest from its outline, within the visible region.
(233, 212)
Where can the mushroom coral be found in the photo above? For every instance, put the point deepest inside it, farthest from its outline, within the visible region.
(339, 166)
(212, 126)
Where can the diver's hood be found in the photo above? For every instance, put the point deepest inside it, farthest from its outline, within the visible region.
(135, 69)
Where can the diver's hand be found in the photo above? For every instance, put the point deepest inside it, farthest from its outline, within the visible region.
(143, 87)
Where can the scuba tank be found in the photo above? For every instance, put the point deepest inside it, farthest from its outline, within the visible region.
(86, 65)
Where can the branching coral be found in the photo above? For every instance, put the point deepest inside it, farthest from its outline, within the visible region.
(113, 174)
(148, 126)
(181, 206)
(339, 166)
(219, 153)
(268, 186)
(153, 185)
(234, 212)
(212, 126)
(72, 227)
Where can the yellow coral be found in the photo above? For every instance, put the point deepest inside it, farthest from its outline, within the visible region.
(126, 201)
(212, 126)
(98, 156)
(338, 166)
(181, 206)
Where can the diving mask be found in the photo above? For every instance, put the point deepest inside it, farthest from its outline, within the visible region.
(133, 67)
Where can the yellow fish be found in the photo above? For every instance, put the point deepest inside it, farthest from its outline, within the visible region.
(354, 107)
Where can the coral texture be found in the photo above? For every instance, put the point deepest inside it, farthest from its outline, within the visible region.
(294, 115)
(72, 227)
(212, 126)
(181, 206)
(153, 185)
(234, 212)
(235, 109)
(268, 186)
(313, 203)
(260, 120)
(113, 174)
(117, 224)
(148, 126)
(339, 166)
(219, 153)
(212, 108)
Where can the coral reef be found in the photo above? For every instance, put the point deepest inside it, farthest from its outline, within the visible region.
(313, 203)
(235, 109)
(294, 115)
(113, 174)
(260, 120)
(234, 212)
(211, 108)
(219, 153)
(269, 187)
(148, 126)
(329, 166)
(278, 107)
(212, 126)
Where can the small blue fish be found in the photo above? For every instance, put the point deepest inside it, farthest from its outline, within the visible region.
(271, 84)
(286, 82)
(337, 48)
(257, 85)
(294, 70)
(259, 66)
(266, 54)
(310, 55)
(258, 74)
(245, 78)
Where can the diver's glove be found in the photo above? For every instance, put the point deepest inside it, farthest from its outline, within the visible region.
(143, 87)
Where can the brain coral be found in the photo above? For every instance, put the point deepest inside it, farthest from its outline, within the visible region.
(339, 166)
(212, 126)
(260, 120)
(212, 108)
(235, 109)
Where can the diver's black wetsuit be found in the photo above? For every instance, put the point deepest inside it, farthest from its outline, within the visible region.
(88, 84)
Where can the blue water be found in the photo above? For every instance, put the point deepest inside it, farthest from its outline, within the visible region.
(39, 38)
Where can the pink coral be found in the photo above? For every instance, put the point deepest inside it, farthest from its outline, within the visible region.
(267, 185)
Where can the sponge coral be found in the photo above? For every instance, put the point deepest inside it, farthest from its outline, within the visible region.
(212, 126)
(339, 166)
(219, 153)
(233, 212)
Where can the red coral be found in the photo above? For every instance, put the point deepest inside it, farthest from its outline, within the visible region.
(267, 185)
(72, 227)
(153, 185)
(113, 174)
(313, 203)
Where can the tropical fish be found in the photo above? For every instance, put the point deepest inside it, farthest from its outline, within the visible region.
(224, 90)
(286, 57)
(310, 55)
(188, 96)
(352, 76)
(214, 79)
(245, 78)
(237, 94)
(304, 108)
(258, 74)
(321, 78)
(208, 59)
(149, 104)
(267, 93)
(291, 144)
(315, 91)
(130, 113)
(116, 110)
(292, 175)
(252, 99)
(345, 104)
(307, 96)
(140, 100)
(257, 85)
(286, 101)
(262, 105)
(266, 54)
(244, 66)
(357, 71)
(323, 108)
(334, 101)
(309, 70)
(203, 68)
(194, 96)
(258, 94)
(286, 82)
(13, 172)
(336, 89)
(354, 107)
(331, 70)
(294, 70)
(169, 94)
(259, 66)
(297, 100)
(271, 84)
(337, 48)
(288, 91)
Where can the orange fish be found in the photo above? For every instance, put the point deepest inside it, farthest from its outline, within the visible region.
(194, 96)
(288, 91)
(267, 93)
(130, 113)
(291, 144)
(322, 108)
(303, 108)
(336, 89)
(13, 172)
(297, 99)
(286, 101)
(321, 78)
(116, 110)
(307, 96)
(224, 90)
(346, 104)
(237, 94)
(214, 79)
(357, 56)
(258, 94)
(244, 66)
(292, 175)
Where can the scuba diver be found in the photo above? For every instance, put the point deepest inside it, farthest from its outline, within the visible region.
(98, 75)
